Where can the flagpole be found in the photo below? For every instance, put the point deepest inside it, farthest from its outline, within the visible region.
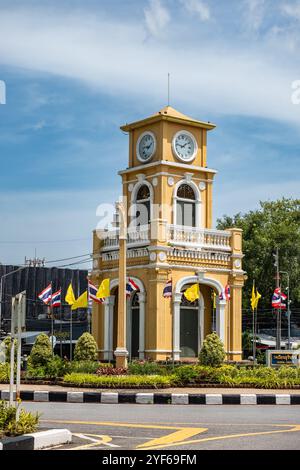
(253, 326)
(71, 323)
(52, 322)
(88, 307)
(60, 329)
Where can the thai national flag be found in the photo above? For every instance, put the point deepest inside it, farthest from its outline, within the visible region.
(222, 295)
(167, 292)
(131, 287)
(92, 293)
(278, 299)
(227, 292)
(46, 295)
(56, 299)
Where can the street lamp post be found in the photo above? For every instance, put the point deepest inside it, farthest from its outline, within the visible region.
(288, 307)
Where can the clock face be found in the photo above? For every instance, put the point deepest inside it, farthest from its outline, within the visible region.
(146, 146)
(184, 146)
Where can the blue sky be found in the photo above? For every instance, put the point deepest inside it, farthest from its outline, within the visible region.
(76, 70)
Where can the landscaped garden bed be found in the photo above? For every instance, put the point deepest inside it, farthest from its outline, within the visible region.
(86, 371)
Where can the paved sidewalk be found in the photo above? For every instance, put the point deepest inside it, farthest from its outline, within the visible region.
(198, 390)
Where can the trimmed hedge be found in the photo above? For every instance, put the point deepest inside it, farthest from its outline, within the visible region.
(121, 381)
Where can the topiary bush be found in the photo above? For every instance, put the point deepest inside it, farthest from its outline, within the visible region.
(212, 352)
(86, 348)
(41, 352)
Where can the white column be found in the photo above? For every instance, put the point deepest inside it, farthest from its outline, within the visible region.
(201, 322)
(176, 325)
(220, 320)
(142, 301)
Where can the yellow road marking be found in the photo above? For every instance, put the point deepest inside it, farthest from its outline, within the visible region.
(173, 438)
(106, 423)
(177, 436)
(296, 428)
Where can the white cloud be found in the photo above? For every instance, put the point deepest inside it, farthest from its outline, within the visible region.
(157, 17)
(292, 10)
(198, 7)
(113, 57)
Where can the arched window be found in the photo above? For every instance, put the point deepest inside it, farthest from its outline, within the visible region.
(186, 206)
(143, 206)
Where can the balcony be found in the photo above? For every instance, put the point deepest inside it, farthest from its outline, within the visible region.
(175, 236)
(199, 238)
(137, 236)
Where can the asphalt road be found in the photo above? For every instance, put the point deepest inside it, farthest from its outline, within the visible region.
(171, 427)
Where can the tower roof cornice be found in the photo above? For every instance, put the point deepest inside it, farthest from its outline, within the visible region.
(168, 114)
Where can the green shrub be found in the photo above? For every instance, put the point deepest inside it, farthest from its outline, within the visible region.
(41, 352)
(9, 426)
(145, 368)
(186, 375)
(57, 367)
(88, 367)
(4, 373)
(35, 372)
(54, 368)
(86, 348)
(123, 381)
(212, 352)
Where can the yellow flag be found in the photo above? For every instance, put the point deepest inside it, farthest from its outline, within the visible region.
(104, 290)
(81, 302)
(253, 298)
(192, 293)
(70, 297)
(258, 296)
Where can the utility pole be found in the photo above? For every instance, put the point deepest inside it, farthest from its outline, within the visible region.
(278, 322)
(288, 307)
(121, 352)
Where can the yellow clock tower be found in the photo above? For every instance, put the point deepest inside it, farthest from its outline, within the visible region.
(167, 190)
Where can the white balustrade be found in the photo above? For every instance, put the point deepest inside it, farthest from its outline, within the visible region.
(135, 236)
(200, 238)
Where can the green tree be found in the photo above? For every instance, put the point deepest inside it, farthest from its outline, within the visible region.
(41, 352)
(86, 348)
(212, 352)
(274, 224)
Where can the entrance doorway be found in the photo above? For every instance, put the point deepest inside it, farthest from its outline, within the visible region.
(189, 328)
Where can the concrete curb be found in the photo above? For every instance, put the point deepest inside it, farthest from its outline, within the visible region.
(37, 440)
(158, 398)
